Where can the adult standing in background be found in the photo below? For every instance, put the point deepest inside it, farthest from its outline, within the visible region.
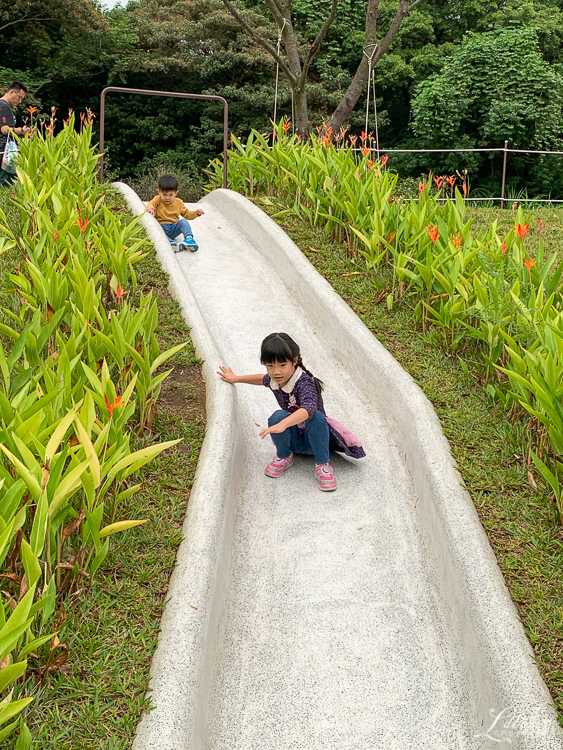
(13, 96)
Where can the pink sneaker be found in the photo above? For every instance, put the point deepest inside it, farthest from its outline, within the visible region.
(277, 467)
(325, 475)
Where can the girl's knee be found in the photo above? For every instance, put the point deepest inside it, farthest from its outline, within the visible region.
(277, 417)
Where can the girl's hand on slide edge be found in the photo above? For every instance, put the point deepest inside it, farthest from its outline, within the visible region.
(226, 374)
(276, 428)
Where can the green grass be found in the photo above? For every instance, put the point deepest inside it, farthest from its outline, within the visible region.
(520, 521)
(112, 628)
(551, 218)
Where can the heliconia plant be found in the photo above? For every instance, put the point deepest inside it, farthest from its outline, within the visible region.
(80, 369)
(482, 292)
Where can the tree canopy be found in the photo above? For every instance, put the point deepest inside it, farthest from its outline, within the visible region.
(456, 72)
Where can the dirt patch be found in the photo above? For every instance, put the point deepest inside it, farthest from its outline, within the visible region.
(183, 392)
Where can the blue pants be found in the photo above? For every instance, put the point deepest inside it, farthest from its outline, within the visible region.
(313, 441)
(182, 226)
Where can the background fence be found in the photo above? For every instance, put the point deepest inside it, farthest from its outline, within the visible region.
(505, 151)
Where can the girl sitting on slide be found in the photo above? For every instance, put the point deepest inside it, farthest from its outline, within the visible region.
(300, 425)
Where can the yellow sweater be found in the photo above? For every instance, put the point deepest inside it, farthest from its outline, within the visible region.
(169, 214)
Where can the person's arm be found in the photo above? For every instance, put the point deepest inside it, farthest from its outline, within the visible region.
(191, 215)
(150, 208)
(301, 415)
(226, 374)
(5, 129)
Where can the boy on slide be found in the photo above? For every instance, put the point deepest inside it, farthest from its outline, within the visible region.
(172, 215)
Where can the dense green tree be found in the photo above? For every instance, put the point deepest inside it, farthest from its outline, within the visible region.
(302, 42)
(54, 34)
(496, 86)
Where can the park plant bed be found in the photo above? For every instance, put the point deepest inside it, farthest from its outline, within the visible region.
(102, 419)
(520, 520)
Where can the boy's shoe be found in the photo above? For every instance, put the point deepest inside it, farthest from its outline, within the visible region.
(325, 475)
(277, 467)
(190, 243)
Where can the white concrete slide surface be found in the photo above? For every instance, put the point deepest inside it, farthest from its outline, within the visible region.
(373, 617)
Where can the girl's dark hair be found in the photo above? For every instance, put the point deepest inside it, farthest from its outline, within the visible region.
(279, 347)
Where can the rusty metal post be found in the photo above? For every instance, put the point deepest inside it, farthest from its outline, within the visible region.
(505, 150)
(176, 94)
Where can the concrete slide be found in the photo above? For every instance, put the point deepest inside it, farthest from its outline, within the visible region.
(373, 617)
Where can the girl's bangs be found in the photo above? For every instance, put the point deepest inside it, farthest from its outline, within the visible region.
(275, 349)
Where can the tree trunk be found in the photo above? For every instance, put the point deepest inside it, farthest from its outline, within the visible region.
(350, 98)
(302, 124)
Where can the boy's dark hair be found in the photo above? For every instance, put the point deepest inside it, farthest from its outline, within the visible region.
(17, 86)
(168, 182)
(280, 347)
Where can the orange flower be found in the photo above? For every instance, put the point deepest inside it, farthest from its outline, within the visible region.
(363, 137)
(539, 226)
(55, 234)
(522, 230)
(32, 110)
(286, 126)
(529, 263)
(116, 402)
(365, 150)
(464, 186)
(120, 293)
(421, 187)
(433, 232)
(451, 179)
(231, 137)
(82, 224)
(384, 160)
(503, 249)
(457, 241)
(438, 181)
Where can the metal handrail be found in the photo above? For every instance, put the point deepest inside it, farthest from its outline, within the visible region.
(176, 94)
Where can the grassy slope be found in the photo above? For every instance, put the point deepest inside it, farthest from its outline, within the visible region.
(520, 521)
(112, 630)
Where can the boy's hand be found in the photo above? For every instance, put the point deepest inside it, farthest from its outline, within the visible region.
(149, 210)
(226, 374)
(200, 211)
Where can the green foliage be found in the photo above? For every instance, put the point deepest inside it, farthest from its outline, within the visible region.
(496, 86)
(80, 369)
(444, 53)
